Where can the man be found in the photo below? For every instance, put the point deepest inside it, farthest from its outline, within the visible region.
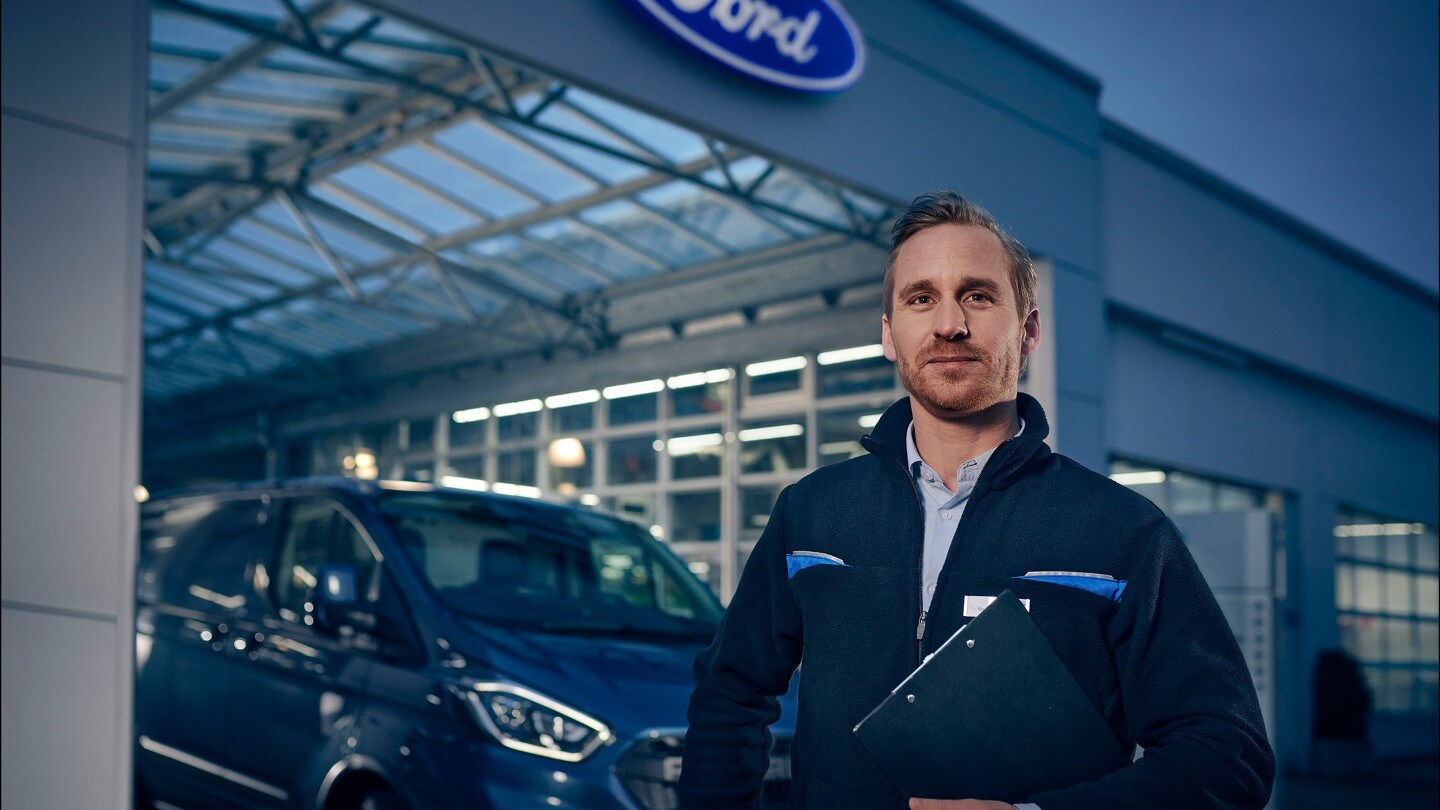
(866, 566)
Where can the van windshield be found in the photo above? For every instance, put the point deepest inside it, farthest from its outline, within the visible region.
(548, 568)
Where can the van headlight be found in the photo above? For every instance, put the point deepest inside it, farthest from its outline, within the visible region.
(528, 721)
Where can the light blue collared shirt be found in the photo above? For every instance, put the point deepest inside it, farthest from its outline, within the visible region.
(942, 508)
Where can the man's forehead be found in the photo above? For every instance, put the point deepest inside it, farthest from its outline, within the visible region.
(949, 249)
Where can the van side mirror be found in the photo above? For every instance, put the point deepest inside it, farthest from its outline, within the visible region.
(337, 600)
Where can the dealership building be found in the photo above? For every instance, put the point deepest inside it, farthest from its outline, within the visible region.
(597, 252)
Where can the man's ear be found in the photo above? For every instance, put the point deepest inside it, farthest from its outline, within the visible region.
(886, 341)
(1031, 341)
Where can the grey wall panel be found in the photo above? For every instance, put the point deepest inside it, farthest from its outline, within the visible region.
(73, 61)
(63, 489)
(1077, 327)
(60, 719)
(976, 62)
(64, 296)
(1040, 183)
(1369, 461)
(1168, 406)
(1186, 256)
(73, 177)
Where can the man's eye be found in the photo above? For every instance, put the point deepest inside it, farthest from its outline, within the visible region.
(921, 299)
(978, 297)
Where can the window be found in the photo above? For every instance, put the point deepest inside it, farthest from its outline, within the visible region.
(777, 445)
(420, 435)
(212, 550)
(316, 532)
(519, 426)
(840, 433)
(571, 464)
(629, 410)
(854, 371)
(516, 467)
(775, 376)
(699, 453)
(573, 418)
(756, 504)
(1386, 605)
(470, 431)
(632, 460)
(694, 516)
(698, 400)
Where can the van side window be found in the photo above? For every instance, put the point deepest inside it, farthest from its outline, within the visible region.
(204, 555)
(315, 533)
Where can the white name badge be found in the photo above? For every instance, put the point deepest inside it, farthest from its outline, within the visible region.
(975, 604)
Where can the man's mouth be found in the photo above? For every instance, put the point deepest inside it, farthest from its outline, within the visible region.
(951, 359)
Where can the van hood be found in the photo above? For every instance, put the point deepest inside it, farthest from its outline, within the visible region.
(630, 684)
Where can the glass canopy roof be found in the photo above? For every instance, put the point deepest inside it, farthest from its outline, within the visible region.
(326, 179)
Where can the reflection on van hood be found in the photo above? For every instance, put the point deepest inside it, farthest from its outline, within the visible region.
(631, 684)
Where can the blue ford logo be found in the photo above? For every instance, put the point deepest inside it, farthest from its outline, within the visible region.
(808, 45)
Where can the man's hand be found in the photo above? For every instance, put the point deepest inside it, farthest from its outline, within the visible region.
(958, 804)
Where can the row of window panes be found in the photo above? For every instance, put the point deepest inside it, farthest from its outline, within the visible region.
(774, 445)
(1179, 493)
(1376, 589)
(1389, 567)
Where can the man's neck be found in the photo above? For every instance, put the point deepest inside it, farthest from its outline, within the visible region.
(945, 443)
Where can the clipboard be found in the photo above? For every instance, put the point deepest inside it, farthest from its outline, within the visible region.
(992, 714)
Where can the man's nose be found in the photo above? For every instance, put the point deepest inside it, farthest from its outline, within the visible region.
(950, 321)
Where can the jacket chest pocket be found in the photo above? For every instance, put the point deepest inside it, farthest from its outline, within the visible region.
(1076, 622)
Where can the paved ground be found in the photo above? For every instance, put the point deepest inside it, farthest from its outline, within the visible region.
(1411, 786)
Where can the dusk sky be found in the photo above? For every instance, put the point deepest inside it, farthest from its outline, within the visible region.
(1326, 109)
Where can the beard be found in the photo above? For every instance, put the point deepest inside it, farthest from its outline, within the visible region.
(965, 390)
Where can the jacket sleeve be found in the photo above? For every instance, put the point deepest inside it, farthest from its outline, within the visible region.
(1187, 695)
(737, 680)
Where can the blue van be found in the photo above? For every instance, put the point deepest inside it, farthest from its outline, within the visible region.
(351, 645)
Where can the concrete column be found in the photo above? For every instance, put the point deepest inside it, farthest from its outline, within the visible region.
(74, 96)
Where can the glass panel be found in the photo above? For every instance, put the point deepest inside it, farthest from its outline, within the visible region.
(756, 503)
(1189, 494)
(516, 467)
(776, 445)
(1397, 551)
(709, 398)
(1368, 645)
(1429, 648)
(704, 562)
(419, 471)
(694, 516)
(519, 426)
(1367, 588)
(1235, 499)
(571, 464)
(1397, 592)
(699, 453)
(1347, 634)
(631, 461)
(1425, 551)
(422, 435)
(1368, 547)
(573, 418)
(776, 383)
(840, 433)
(873, 374)
(468, 467)
(629, 410)
(464, 434)
(1427, 595)
(1399, 641)
(1344, 586)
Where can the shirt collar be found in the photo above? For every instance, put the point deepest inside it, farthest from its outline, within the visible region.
(974, 465)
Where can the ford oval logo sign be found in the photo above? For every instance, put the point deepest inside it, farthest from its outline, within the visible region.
(810, 45)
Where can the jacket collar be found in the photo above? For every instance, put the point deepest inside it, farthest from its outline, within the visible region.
(888, 439)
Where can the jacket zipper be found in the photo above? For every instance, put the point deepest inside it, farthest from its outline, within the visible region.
(920, 564)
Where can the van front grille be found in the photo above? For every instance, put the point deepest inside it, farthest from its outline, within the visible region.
(651, 769)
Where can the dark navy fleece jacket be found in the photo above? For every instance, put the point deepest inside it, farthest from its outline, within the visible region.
(1161, 664)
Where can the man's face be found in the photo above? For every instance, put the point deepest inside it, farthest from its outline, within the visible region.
(953, 330)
